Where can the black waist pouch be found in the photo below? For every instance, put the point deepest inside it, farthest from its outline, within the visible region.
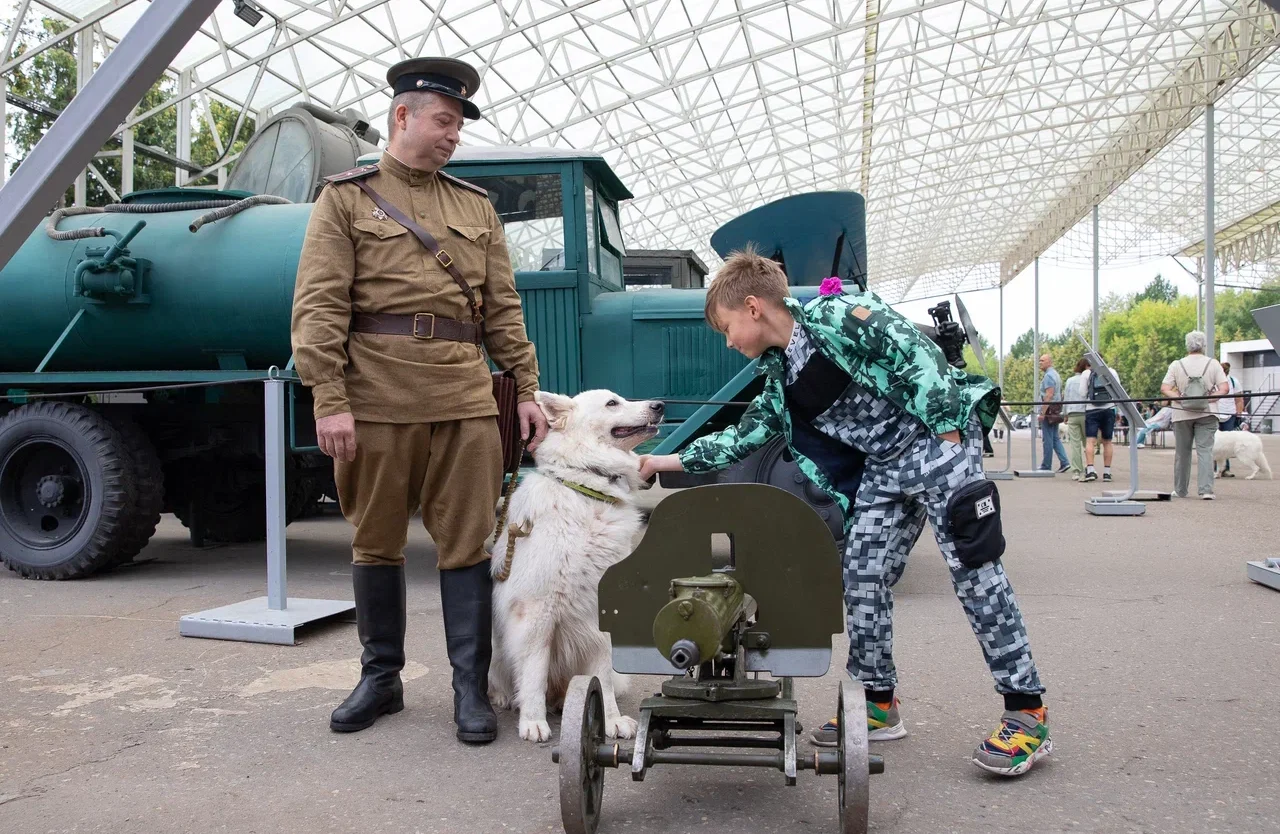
(973, 515)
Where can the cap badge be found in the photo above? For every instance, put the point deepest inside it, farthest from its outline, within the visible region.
(421, 83)
(464, 90)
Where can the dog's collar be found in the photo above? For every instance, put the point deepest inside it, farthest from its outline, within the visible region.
(590, 493)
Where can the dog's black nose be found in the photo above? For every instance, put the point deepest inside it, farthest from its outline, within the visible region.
(657, 407)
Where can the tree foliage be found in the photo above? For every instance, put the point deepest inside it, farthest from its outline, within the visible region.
(49, 79)
(1139, 335)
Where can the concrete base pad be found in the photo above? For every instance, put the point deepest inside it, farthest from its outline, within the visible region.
(253, 621)
(1103, 507)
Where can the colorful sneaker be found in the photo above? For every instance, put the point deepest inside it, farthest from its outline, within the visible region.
(1021, 739)
(883, 724)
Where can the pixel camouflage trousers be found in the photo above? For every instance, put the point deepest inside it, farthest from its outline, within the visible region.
(893, 500)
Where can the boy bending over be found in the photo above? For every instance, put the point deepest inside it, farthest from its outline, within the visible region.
(877, 419)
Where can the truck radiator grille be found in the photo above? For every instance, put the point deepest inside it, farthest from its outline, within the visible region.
(696, 361)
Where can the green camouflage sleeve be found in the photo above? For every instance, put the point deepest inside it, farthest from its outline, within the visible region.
(760, 423)
(903, 360)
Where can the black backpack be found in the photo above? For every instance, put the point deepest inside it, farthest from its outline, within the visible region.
(1098, 392)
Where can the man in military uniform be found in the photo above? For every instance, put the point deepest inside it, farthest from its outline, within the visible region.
(393, 351)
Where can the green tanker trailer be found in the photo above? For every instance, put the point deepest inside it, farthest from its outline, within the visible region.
(132, 357)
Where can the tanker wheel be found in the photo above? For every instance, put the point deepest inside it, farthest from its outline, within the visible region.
(67, 492)
(229, 500)
(855, 768)
(581, 733)
(149, 477)
(778, 468)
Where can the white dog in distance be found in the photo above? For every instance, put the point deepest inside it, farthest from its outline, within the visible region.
(572, 518)
(1242, 447)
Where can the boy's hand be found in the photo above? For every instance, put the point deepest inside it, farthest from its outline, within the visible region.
(651, 465)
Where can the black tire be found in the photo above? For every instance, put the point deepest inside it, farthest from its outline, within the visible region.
(775, 466)
(149, 477)
(230, 495)
(67, 491)
(230, 498)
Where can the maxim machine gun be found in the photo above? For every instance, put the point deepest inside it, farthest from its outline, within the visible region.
(770, 604)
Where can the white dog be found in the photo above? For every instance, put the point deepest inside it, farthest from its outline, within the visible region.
(572, 518)
(1242, 447)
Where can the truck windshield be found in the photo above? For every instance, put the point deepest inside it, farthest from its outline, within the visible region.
(531, 207)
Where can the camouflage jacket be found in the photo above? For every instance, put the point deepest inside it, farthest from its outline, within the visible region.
(881, 351)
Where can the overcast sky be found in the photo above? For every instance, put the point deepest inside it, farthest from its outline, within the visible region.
(1065, 294)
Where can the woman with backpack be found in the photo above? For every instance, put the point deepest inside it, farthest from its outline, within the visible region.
(1195, 378)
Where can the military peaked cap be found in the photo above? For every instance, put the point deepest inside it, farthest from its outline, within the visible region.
(446, 76)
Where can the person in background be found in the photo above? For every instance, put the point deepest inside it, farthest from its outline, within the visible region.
(1050, 417)
(1159, 421)
(1074, 390)
(1230, 410)
(1099, 419)
(1194, 378)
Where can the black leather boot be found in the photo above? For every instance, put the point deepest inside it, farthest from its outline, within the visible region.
(466, 595)
(380, 620)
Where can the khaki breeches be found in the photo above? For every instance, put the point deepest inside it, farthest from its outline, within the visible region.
(451, 470)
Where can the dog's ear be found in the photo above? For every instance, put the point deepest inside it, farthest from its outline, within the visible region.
(556, 407)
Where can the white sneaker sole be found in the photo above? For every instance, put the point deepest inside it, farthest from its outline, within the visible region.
(893, 733)
(1042, 751)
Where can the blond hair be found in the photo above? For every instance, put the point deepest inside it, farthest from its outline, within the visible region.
(745, 273)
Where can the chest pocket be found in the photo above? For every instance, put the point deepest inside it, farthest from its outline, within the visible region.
(381, 229)
(469, 246)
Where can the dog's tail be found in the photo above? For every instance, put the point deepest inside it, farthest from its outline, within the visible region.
(1263, 465)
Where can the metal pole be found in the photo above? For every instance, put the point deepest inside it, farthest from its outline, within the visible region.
(1002, 337)
(126, 162)
(1035, 366)
(273, 440)
(84, 71)
(1096, 263)
(184, 127)
(93, 115)
(1208, 229)
(4, 120)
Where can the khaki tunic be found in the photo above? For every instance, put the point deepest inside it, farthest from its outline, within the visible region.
(353, 260)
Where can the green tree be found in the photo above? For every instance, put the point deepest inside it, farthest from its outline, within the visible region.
(49, 79)
(1160, 289)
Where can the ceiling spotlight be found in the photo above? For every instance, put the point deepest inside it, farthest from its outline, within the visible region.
(248, 12)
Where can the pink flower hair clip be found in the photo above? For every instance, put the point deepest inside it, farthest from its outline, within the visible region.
(831, 286)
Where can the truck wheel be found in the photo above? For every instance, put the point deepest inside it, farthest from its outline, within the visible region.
(67, 492)
(229, 500)
(778, 468)
(149, 477)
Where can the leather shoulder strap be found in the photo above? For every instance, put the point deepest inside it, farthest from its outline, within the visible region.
(471, 185)
(424, 237)
(354, 174)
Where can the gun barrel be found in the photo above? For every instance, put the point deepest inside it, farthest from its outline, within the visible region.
(696, 625)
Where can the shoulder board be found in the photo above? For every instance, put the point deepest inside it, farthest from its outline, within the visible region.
(471, 185)
(354, 174)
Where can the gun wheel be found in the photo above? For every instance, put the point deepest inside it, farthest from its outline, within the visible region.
(581, 734)
(855, 771)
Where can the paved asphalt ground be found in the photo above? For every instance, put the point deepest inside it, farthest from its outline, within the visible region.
(1160, 657)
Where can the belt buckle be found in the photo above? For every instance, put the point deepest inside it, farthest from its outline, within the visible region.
(431, 334)
(445, 259)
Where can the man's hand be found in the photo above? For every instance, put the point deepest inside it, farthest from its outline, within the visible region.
(531, 416)
(953, 436)
(337, 436)
(651, 465)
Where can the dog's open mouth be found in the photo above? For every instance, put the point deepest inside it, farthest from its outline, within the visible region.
(631, 431)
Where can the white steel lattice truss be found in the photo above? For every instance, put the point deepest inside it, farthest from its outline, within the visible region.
(981, 133)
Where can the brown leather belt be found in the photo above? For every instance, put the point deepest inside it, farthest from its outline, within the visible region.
(417, 325)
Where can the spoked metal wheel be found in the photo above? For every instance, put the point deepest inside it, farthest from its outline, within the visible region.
(855, 772)
(581, 734)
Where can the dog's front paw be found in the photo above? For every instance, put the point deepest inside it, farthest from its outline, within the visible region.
(622, 727)
(500, 700)
(535, 730)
